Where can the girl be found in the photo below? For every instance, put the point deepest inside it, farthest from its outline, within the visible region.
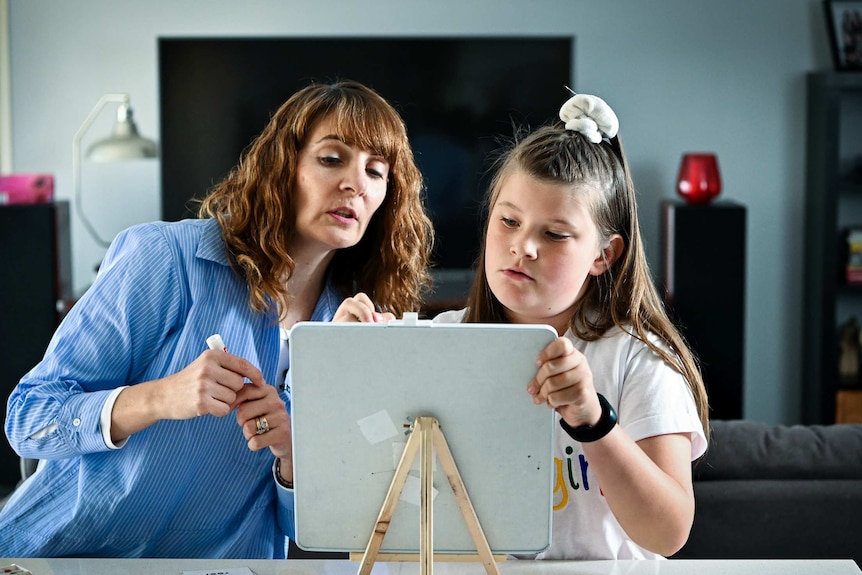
(562, 247)
(127, 409)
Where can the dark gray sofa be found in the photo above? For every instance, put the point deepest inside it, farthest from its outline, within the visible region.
(778, 492)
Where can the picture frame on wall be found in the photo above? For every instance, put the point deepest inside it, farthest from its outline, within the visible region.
(844, 25)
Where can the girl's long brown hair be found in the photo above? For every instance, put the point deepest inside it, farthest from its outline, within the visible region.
(255, 203)
(624, 295)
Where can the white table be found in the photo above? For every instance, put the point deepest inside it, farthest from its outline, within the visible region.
(334, 567)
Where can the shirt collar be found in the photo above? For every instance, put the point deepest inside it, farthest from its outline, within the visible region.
(212, 246)
(327, 304)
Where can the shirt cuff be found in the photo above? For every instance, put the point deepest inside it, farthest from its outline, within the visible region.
(285, 507)
(278, 481)
(105, 419)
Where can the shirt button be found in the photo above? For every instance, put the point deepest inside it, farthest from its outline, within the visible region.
(76, 422)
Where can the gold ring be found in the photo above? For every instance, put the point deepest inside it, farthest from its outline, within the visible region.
(262, 425)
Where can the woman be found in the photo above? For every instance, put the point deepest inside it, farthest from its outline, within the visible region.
(127, 408)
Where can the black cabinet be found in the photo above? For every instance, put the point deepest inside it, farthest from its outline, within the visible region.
(703, 271)
(36, 263)
(833, 204)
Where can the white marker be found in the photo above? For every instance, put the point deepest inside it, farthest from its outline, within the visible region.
(215, 342)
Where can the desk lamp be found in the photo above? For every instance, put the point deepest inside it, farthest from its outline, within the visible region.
(123, 144)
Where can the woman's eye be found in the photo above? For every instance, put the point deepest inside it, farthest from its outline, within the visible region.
(330, 160)
(374, 173)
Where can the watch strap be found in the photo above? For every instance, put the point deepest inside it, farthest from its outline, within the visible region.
(589, 433)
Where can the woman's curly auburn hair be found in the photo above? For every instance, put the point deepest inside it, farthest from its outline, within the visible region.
(255, 203)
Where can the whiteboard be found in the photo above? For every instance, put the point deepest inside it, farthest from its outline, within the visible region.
(355, 390)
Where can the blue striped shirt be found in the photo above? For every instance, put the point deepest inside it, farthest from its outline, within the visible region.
(187, 488)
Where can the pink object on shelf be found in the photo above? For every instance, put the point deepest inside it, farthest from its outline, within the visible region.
(26, 189)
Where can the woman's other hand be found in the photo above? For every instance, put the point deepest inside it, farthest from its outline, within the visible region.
(360, 308)
(263, 417)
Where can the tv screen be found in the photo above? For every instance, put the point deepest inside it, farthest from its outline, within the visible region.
(457, 95)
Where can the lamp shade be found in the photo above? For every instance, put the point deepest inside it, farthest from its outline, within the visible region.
(124, 143)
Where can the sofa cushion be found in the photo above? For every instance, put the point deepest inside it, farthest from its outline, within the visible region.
(741, 449)
(776, 519)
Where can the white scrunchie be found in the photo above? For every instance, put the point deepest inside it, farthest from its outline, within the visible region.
(591, 116)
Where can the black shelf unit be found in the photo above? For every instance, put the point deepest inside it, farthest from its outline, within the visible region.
(833, 203)
(703, 272)
(35, 252)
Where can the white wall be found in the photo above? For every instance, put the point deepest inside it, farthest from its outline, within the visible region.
(5, 105)
(683, 75)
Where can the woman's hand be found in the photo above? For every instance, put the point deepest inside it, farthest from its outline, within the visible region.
(360, 308)
(262, 402)
(564, 382)
(208, 386)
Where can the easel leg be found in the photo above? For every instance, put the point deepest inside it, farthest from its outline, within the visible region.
(389, 503)
(447, 462)
(426, 472)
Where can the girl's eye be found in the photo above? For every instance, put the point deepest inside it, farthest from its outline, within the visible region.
(557, 237)
(508, 222)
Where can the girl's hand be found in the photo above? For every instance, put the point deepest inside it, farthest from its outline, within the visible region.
(360, 308)
(263, 401)
(564, 382)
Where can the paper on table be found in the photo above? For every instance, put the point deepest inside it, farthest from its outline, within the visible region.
(228, 571)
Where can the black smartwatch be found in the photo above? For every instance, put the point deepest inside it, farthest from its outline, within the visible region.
(588, 433)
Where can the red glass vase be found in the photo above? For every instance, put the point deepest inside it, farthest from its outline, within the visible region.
(699, 181)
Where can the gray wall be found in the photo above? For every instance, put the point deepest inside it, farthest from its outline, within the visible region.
(683, 75)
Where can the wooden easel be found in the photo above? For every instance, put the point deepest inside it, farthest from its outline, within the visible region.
(425, 438)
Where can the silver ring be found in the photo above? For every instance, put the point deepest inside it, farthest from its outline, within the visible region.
(262, 425)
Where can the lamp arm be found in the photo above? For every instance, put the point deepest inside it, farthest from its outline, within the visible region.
(76, 160)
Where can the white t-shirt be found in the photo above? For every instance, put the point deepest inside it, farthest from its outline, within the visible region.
(650, 398)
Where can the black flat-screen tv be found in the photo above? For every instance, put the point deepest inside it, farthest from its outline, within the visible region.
(460, 97)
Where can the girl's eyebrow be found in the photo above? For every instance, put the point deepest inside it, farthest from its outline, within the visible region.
(561, 221)
(508, 204)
